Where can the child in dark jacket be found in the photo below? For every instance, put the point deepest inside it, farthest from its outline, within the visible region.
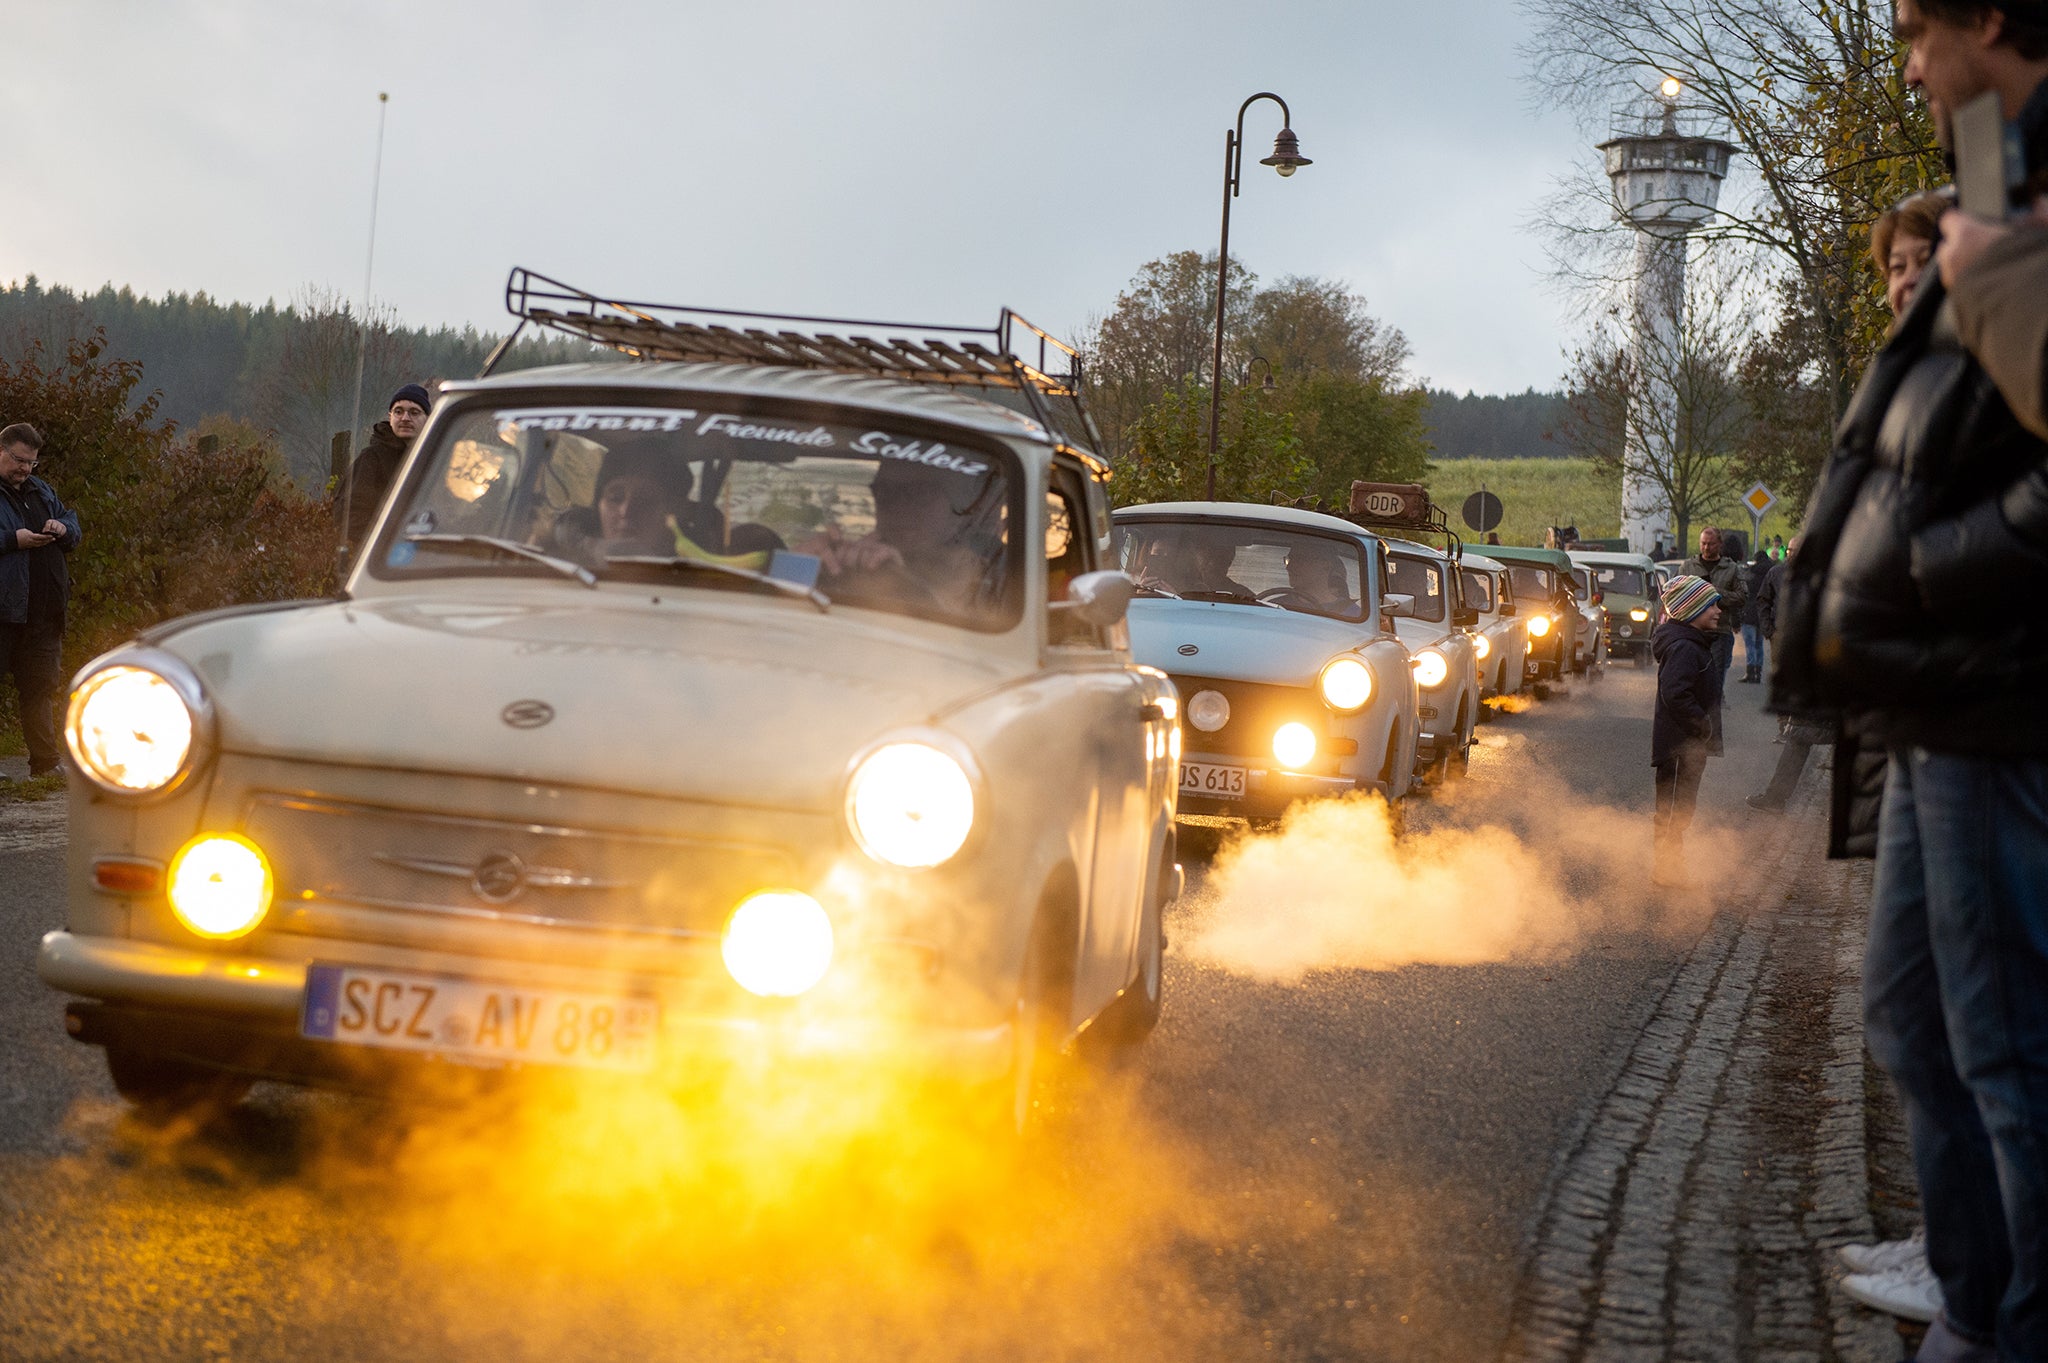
(1686, 729)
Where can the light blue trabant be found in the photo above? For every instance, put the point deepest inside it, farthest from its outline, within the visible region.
(1271, 622)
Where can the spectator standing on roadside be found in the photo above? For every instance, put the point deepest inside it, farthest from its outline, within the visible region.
(1726, 576)
(371, 476)
(1753, 634)
(1684, 729)
(1909, 609)
(36, 531)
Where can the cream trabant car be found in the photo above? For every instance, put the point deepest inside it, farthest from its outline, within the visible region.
(1269, 620)
(1435, 622)
(1500, 642)
(668, 704)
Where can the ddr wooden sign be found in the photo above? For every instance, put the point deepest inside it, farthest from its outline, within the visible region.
(1390, 501)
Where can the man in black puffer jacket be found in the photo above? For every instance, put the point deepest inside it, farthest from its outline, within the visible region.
(1684, 731)
(376, 467)
(1914, 609)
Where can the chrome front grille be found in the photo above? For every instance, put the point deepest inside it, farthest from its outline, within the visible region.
(339, 852)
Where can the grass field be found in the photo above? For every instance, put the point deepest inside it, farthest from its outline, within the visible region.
(1538, 493)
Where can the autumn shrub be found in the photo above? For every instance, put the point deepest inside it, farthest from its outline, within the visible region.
(169, 527)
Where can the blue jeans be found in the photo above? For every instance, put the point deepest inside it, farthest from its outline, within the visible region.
(1955, 1002)
(1752, 647)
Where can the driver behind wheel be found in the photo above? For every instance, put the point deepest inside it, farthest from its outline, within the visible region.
(1316, 581)
(923, 545)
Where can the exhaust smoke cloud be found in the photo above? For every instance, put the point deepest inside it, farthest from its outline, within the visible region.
(1525, 871)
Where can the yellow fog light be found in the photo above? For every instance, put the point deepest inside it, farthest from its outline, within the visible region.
(1639, 615)
(910, 804)
(1294, 745)
(220, 885)
(1431, 668)
(1481, 646)
(778, 943)
(1346, 684)
(129, 729)
(1539, 625)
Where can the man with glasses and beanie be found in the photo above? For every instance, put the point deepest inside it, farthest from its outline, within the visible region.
(1912, 610)
(36, 531)
(376, 468)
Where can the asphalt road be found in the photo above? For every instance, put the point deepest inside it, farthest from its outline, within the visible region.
(1313, 1158)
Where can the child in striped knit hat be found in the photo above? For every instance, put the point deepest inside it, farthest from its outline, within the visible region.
(1686, 729)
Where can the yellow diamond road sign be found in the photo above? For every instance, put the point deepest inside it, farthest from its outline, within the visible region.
(1759, 500)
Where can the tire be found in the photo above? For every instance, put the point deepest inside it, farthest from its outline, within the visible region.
(1018, 1102)
(1459, 760)
(164, 1090)
(1130, 1018)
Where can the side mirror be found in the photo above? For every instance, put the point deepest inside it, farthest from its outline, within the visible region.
(1099, 599)
(1465, 617)
(1398, 603)
(1507, 612)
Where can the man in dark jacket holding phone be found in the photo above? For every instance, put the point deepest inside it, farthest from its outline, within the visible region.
(1913, 609)
(36, 531)
(1683, 731)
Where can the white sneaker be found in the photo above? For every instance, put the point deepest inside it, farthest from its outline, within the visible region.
(1908, 1293)
(1889, 1255)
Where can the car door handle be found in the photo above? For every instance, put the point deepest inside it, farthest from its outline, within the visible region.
(1148, 713)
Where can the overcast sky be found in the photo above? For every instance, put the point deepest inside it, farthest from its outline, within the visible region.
(926, 160)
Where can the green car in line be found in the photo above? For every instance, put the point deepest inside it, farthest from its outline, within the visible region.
(1542, 581)
(1630, 586)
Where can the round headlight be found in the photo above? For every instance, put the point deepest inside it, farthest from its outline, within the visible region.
(1431, 669)
(1209, 711)
(129, 730)
(1539, 625)
(1294, 745)
(1346, 684)
(778, 943)
(910, 804)
(1639, 614)
(220, 885)
(1481, 646)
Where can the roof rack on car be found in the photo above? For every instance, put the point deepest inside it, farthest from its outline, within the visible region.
(981, 357)
(1402, 506)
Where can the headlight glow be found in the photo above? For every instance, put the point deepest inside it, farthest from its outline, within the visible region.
(1431, 669)
(129, 729)
(220, 885)
(1539, 625)
(1209, 711)
(1481, 646)
(778, 943)
(1639, 614)
(1346, 684)
(910, 805)
(1294, 745)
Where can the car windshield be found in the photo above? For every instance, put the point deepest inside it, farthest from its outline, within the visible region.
(1421, 579)
(1581, 584)
(751, 500)
(1478, 589)
(1531, 581)
(1620, 581)
(1296, 570)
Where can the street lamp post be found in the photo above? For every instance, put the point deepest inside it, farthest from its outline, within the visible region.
(1286, 159)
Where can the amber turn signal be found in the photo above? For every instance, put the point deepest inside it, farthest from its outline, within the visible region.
(127, 875)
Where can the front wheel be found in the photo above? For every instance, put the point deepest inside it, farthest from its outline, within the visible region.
(164, 1090)
(1130, 1018)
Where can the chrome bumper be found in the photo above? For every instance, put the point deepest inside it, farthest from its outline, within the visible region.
(255, 999)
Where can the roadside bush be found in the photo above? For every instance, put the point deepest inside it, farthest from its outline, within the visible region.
(167, 529)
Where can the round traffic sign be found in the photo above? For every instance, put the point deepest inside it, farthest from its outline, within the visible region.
(1482, 511)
